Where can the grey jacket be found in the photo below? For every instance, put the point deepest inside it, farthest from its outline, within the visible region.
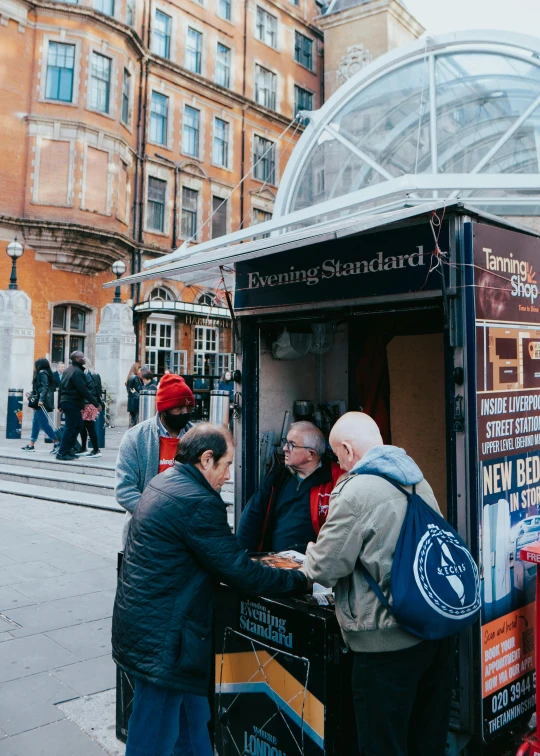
(364, 521)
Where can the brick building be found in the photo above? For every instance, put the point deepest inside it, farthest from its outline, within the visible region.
(126, 126)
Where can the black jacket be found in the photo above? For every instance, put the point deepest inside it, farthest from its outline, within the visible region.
(73, 388)
(93, 382)
(133, 386)
(179, 546)
(44, 388)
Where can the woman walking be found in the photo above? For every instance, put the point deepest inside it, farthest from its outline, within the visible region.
(90, 414)
(133, 386)
(41, 400)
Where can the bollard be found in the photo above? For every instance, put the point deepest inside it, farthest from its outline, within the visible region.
(219, 407)
(14, 413)
(100, 424)
(147, 404)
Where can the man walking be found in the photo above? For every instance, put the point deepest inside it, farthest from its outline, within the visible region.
(402, 686)
(150, 447)
(74, 394)
(179, 544)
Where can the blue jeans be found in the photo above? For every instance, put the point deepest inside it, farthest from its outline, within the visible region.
(167, 723)
(40, 421)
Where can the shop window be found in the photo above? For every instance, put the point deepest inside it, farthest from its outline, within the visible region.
(100, 83)
(205, 354)
(161, 40)
(224, 9)
(189, 212)
(190, 132)
(60, 67)
(155, 213)
(223, 66)
(126, 95)
(161, 294)
(194, 51)
(264, 160)
(265, 87)
(69, 331)
(303, 50)
(266, 30)
(159, 118)
(221, 143)
(219, 217)
(160, 353)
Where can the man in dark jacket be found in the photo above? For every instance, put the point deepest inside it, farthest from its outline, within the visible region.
(74, 394)
(291, 506)
(179, 547)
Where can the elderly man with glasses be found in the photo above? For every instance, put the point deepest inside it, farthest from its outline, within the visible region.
(291, 506)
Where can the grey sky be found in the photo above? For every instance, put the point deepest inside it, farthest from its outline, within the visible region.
(449, 15)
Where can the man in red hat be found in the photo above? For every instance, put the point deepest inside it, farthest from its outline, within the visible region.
(149, 448)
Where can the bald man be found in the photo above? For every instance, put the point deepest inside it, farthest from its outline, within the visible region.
(402, 686)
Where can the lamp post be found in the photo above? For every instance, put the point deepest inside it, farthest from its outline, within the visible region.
(118, 268)
(14, 250)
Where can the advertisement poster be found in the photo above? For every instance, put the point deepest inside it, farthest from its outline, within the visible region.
(508, 411)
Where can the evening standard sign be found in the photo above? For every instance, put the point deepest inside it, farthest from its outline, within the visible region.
(390, 262)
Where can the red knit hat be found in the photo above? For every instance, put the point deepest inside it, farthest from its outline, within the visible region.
(173, 391)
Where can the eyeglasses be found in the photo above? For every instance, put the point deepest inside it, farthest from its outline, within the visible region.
(291, 446)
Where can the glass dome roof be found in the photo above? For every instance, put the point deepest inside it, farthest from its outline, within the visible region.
(450, 117)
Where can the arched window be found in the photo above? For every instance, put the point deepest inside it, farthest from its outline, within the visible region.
(69, 331)
(161, 294)
(207, 299)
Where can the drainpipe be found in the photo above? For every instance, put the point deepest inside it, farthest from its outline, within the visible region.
(243, 145)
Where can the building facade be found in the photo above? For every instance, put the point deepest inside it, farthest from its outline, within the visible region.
(131, 127)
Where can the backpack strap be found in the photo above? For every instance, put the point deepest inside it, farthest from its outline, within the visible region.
(375, 587)
(388, 480)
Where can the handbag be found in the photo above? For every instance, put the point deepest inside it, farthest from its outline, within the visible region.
(33, 400)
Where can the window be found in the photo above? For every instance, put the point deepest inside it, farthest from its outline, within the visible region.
(223, 66)
(266, 29)
(225, 363)
(303, 50)
(303, 99)
(295, 2)
(68, 335)
(161, 40)
(130, 12)
(207, 299)
(126, 95)
(159, 117)
(100, 83)
(264, 160)
(194, 50)
(206, 345)
(219, 219)
(265, 87)
(220, 154)
(189, 212)
(261, 216)
(190, 133)
(104, 6)
(155, 213)
(224, 9)
(160, 354)
(161, 294)
(60, 65)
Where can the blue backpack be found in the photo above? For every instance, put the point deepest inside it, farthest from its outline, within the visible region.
(434, 580)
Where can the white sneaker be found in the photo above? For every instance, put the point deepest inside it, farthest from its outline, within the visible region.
(93, 454)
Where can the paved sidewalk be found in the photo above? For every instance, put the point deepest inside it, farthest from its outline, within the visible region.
(57, 584)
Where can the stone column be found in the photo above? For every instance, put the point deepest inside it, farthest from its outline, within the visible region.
(115, 353)
(16, 347)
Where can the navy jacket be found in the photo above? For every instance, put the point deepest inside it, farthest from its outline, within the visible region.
(74, 389)
(179, 547)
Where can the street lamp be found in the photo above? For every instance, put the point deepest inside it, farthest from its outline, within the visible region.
(14, 250)
(118, 268)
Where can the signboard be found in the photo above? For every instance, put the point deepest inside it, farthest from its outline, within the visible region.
(388, 262)
(508, 411)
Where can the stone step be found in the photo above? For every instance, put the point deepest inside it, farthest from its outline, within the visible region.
(58, 478)
(61, 495)
(46, 461)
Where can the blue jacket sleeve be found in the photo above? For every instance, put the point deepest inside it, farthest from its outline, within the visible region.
(209, 536)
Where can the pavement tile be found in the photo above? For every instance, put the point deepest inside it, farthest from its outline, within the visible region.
(96, 715)
(30, 702)
(81, 561)
(66, 612)
(10, 598)
(30, 571)
(86, 641)
(4, 560)
(54, 588)
(57, 739)
(22, 657)
(51, 550)
(104, 578)
(90, 676)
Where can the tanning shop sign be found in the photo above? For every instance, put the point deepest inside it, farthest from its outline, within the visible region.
(389, 262)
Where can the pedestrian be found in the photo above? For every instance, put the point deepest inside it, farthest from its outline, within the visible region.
(150, 447)
(41, 400)
(74, 394)
(90, 414)
(133, 386)
(402, 685)
(149, 381)
(179, 546)
(57, 374)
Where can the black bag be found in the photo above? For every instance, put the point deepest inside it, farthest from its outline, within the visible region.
(33, 400)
